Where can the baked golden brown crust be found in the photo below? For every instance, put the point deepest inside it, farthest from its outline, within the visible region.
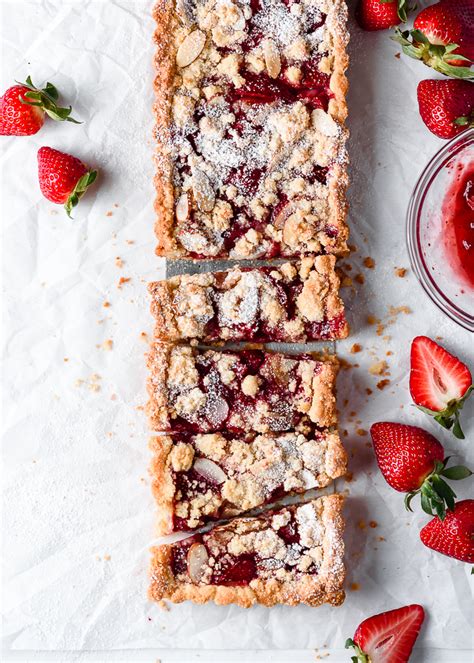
(226, 475)
(315, 228)
(244, 304)
(247, 391)
(321, 581)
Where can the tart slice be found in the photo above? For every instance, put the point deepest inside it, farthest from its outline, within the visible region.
(205, 477)
(203, 391)
(292, 555)
(294, 302)
(250, 110)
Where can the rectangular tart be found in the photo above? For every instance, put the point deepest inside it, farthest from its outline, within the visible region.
(202, 391)
(250, 110)
(200, 478)
(293, 303)
(292, 555)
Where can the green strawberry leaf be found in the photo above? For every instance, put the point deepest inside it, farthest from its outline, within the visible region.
(456, 472)
(46, 99)
(81, 187)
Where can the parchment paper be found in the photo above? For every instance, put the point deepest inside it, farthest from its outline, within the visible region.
(78, 515)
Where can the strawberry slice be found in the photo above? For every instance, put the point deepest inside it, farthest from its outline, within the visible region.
(387, 637)
(411, 461)
(443, 38)
(453, 536)
(439, 383)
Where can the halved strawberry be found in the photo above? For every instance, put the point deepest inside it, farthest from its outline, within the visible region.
(443, 38)
(387, 637)
(439, 383)
(412, 462)
(453, 536)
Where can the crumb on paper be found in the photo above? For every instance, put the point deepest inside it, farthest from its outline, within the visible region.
(107, 558)
(352, 248)
(368, 391)
(378, 368)
(106, 304)
(108, 344)
(361, 432)
(369, 262)
(119, 262)
(163, 606)
(381, 384)
(372, 320)
(113, 397)
(66, 359)
(400, 272)
(361, 524)
(144, 336)
(130, 241)
(359, 278)
(109, 213)
(396, 310)
(354, 586)
(373, 524)
(356, 348)
(122, 281)
(92, 383)
(349, 476)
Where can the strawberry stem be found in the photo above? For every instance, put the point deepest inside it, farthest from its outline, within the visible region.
(361, 657)
(46, 99)
(449, 417)
(436, 495)
(416, 45)
(79, 190)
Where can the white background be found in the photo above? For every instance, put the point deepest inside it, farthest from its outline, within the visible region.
(75, 459)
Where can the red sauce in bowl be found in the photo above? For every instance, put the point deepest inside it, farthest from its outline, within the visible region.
(458, 222)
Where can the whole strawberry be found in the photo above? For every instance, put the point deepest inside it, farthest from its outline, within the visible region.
(387, 637)
(63, 178)
(453, 536)
(443, 38)
(381, 14)
(23, 108)
(411, 461)
(439, 382)
(446, 107)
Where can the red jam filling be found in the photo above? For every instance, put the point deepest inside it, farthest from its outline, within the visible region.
(458, 223)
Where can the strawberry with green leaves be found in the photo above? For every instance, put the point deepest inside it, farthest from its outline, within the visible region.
(381, 14)
(388, 637)
(453, 536)
(443, 38)
(23, 108)
(412, 461)
(62, 177)
(440, 383)
(446, 106)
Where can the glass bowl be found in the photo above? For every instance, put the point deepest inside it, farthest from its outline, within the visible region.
(425, 238)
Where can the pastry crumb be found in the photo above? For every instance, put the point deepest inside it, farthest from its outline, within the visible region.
(359, 278)
(109, 213)
(108, 344)
(369, 262)
(354, 586)
(106, 304)
(361, 432)
(122, 281)
(382, 384)
(356, 348)
(373, 524)
(378, 368)
(400, 272)
(119, 262)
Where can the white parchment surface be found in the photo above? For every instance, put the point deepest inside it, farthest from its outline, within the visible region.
(78, 516)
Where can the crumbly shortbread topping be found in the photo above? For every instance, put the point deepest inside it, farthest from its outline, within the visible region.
(291, 302)
(203, 391)
(287, 545)
(254, 133)
(216, 475)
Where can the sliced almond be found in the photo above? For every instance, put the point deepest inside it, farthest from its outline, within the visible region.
(209, 470)
(217, 410)
(272, 58)
(197, 561)
(324, 122)
(182, 207)
(203, 191)
(190, 48)
(286, 211)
